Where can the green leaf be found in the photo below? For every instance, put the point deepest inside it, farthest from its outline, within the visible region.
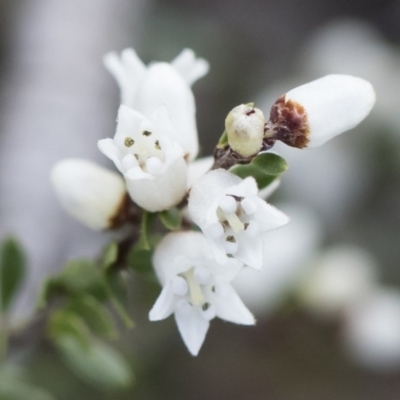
(110, 255)
(99, 364)
(117, 292)
(171, 219)
(12, 271)
(270, 163)
(82, 276)
(95, 314)
(147, 219)
(66, 323)
(264, 168)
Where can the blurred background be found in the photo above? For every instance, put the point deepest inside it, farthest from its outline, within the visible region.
(315, 338)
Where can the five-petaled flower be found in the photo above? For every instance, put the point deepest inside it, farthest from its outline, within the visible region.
(232, 216)
(196, 288)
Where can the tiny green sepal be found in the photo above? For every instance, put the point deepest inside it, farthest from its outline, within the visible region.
(223, 140)
(171, 219)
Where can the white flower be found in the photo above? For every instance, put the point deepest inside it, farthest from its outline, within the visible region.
(342, 277)
(195, 287)
(153, 165)
(314, 113)
(372, 330)
(146, 88)
(232, 216)
(245, 129)
(88, 192)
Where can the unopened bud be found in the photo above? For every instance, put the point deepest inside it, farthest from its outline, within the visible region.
(90, 193)
(245, 129)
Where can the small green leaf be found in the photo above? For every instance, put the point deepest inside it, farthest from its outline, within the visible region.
(12, 270)
(95, 314)
(147, 219)
(264, 168)
(110, 255)
(117, 292)
(66, 323)
(99, 364)
(82, 276)
(270, 163)
(171, 219)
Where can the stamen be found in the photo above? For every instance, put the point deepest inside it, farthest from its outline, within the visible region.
(249, 206)
(146, 133)
(154, 165)
(179, 286)
(129, 141)
(195, 291)
(215, 230)
(235, 223)
(202, 275)
(228, 204)
(129, 161)
(230, 247)
(157, 145)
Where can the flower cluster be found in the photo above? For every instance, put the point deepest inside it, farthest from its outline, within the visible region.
(154, 148)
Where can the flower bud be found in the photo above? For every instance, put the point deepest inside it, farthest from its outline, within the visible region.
(245, 129)
(90, 193)
(312, 114)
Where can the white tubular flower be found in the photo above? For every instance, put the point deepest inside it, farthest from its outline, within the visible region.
(372, 330)
(90, 193)
(245, 129)
(232, 216)
(314, 113)
(152, 164)
(342, 277)
(146, 88)
(195, 287)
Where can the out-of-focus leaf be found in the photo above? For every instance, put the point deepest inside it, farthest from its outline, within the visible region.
(65, 323)
(82, 276)
(264, 168)
(171, 219)
(12, 271)
(141, 260)
(95, 314)
(117, 292)
(110, 255)
(98, 364)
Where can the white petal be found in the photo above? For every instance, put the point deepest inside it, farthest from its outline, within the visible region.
(250, 251)
(189, 67)
(231, 308)
(128, 70)
(88, 192)
(110, 150)
(163, 191)
(193, 329)
(129, 125)
(164, 305)
(198, 168)
(333, 104)
(268, 216)
(162, 85)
